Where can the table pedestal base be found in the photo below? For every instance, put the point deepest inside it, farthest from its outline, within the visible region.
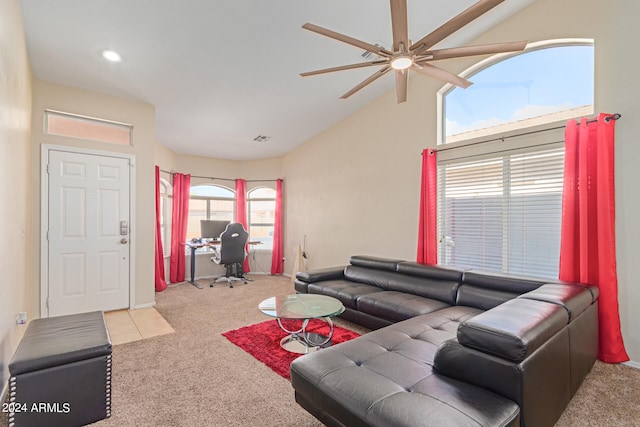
(304, 342)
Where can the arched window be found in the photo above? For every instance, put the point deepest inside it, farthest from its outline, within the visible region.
(542, 85)
(500, 175)
(209, 202)
(262, 207)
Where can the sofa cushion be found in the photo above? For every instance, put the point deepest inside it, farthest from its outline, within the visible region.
(397, 306)
(450, 274)
(330, 273)
(514, 330)
(429, 287)
(346, 291)
(441, 290)
(488, 290)
(374, 262)
(369, 276)
(573, 298)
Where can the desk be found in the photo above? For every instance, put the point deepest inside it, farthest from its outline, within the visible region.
(196, 246)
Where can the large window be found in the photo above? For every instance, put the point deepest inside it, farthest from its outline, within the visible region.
(500, 176)
(262, 206)
(502, 213)
(209, 202)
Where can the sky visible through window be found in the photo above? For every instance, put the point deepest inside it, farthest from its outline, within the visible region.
(529, 85)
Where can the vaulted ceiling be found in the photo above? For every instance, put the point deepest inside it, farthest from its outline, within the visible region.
(221, 73)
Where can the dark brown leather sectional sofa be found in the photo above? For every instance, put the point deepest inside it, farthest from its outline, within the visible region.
(449, 347)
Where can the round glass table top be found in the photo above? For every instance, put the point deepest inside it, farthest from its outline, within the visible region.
(301, 306)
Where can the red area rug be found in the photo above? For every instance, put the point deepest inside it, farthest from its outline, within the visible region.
(262, 341)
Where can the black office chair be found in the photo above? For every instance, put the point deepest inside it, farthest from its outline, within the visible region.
(232, 253)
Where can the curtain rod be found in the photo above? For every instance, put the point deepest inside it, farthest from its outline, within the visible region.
(615, 116)
(223, 179)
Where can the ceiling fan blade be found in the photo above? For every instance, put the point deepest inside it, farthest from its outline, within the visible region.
(399, 25)
(402, 82)
(440, 74)
(344, 67)
(368, 80)
(348, 40)
(454, 24)
(459, 52)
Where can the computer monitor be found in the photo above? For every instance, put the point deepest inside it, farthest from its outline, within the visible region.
(212, 229)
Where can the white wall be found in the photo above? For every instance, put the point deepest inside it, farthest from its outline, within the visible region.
(354, 189)
(15, 191)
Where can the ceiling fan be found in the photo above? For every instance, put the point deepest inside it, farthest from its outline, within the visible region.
(416, 56)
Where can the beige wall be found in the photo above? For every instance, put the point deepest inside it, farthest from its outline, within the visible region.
(15, 191)
(355, 188)
(617, 89)
(142, 117)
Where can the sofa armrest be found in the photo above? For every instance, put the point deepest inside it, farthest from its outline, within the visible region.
(321, 274)
(513, 330)
(540, 384)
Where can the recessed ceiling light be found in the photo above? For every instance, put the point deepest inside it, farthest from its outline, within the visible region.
(111, 55)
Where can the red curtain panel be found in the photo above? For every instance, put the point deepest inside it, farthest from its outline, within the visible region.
(179, 220)
(427, 228)
(241, 212)
(161, 284)
(588, 246)
(277, 254)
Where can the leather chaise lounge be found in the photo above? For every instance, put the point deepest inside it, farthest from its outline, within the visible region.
(448, 347)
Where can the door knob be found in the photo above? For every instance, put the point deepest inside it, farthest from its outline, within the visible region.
(124, 241)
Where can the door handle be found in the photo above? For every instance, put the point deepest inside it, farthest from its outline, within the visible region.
(124, 241)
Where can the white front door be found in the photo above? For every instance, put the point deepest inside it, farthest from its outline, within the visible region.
(88, 233)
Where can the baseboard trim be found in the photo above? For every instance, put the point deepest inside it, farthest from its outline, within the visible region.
(147, 305)
(632, 364)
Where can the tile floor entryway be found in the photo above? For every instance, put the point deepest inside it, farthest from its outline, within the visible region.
(132, 325)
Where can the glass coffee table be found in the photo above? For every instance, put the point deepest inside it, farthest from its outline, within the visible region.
(302, 307)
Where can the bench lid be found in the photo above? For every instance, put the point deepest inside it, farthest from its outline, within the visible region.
(56, 341)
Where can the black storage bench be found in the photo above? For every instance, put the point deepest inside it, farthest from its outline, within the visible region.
(60, 374)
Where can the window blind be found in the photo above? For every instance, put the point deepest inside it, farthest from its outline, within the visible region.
(166, 205)
(502, 212)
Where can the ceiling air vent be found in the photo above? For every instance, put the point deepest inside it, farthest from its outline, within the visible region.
(368, 55)
(262, 138)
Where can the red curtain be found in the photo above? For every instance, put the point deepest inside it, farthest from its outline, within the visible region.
(161, 284)
(179, 220)
(241, 212)
(587, 246)
(427, 228)
(277, 253)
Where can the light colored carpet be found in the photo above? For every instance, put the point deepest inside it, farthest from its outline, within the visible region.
(196, 377)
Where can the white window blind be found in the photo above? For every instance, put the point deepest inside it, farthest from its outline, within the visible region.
(502, 212)
(166, 209)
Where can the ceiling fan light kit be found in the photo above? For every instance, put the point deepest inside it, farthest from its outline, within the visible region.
(401, 62)
(420, 53)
